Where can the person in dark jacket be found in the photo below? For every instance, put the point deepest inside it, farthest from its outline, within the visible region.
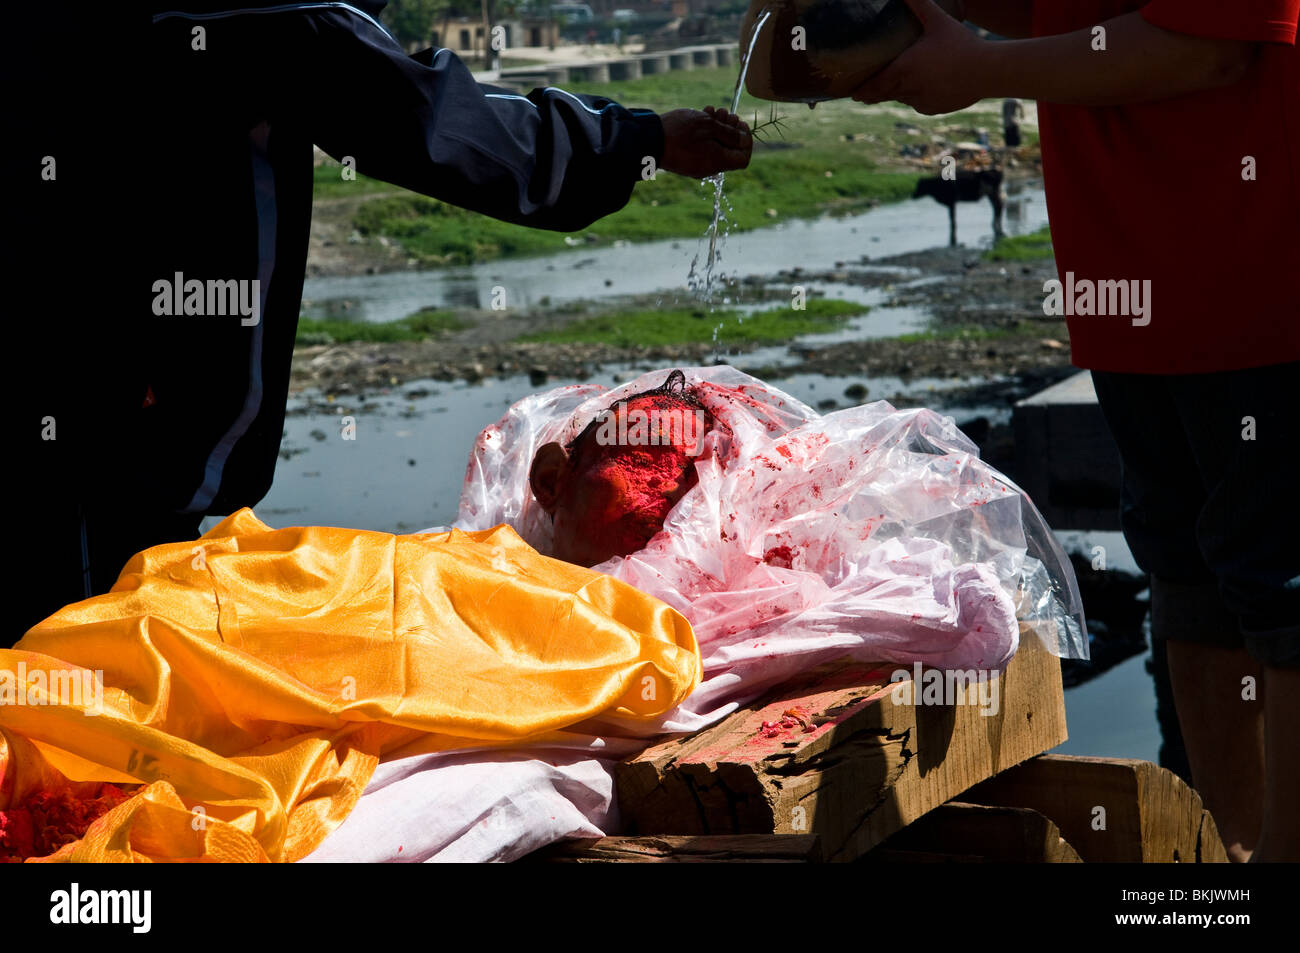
(171, 402)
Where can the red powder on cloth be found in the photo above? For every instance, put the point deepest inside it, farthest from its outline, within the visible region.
(46, 820)
(781, 556)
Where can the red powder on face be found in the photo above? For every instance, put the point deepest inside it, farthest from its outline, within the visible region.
(642, 487)
(47, 820)
(627, 476)
(781, 556)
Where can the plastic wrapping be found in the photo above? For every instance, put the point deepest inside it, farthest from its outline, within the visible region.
(869, 531)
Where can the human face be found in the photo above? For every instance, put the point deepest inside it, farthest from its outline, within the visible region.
(612, 499)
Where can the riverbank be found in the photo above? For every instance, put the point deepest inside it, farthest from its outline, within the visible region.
(840, 158)
(986, 320)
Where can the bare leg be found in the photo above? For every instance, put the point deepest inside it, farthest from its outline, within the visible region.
(1279, 838)
(1224, 734)
(998, 199)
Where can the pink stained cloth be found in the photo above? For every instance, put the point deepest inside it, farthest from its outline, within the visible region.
(870, 531)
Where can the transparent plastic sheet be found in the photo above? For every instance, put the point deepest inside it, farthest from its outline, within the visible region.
(870, 531)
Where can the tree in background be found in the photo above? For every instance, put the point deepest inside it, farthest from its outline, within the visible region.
(490, 53)
(492, 9)
(411, 21)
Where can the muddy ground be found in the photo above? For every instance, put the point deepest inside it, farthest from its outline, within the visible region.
(967, 293)
(337, 248)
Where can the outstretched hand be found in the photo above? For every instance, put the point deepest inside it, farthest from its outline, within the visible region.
(703, 143)
(939, 73)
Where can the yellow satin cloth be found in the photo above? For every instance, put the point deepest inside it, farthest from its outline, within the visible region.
(255, 677)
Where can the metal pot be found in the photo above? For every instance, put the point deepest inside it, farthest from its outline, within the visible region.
(809, 51)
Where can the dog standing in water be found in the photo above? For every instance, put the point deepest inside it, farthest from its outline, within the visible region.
(966, 187)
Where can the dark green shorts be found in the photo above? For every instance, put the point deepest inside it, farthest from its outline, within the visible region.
(1211, 502)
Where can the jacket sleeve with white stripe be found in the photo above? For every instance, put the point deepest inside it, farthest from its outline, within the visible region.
(551, 160)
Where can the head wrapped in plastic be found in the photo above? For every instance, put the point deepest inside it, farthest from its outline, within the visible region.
(869, 531)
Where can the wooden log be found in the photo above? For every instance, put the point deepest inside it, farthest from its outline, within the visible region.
(1111, 809)
(863, 769)
(750, 848)
(1209, 846)
(957, 832)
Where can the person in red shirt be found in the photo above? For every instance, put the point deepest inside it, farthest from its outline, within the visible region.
(1170, 134)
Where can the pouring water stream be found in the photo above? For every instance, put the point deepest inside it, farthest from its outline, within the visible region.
(704, 285)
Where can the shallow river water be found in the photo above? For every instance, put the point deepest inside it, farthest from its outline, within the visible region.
(662, 266)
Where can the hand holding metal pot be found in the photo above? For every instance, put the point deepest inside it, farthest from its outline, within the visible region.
(936, 74)
(814, 50)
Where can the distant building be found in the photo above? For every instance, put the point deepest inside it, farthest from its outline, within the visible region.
(645, 7)
(466, 34)
(539, 31)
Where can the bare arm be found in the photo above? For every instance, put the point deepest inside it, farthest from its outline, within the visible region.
(1140, 63)
(1011, 18)
(950, 68)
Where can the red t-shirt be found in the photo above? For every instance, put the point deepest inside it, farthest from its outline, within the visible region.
(1156, 192)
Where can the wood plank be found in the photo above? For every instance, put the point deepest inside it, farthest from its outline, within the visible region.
(864, 767)
(1111, 809)
(958, 832)
(750, 848)
(1209, 846)
(1066, 458)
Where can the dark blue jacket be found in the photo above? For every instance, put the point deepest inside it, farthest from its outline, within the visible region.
(233, 165)
(175, 160)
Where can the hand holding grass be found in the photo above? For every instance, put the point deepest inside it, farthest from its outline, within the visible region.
(703, 143)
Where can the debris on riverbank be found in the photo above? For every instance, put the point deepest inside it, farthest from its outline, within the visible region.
(987, 320)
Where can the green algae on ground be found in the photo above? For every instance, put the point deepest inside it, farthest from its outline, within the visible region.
(672, 326)
(1036, 246)
(415, 327)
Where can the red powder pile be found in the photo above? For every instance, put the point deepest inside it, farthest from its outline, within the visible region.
(798, 715)
(47, 820)
(782, 556)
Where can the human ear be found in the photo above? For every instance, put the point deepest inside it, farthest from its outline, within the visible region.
(545, 474)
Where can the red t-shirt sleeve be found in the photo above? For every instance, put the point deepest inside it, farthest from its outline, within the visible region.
(1260, 21)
